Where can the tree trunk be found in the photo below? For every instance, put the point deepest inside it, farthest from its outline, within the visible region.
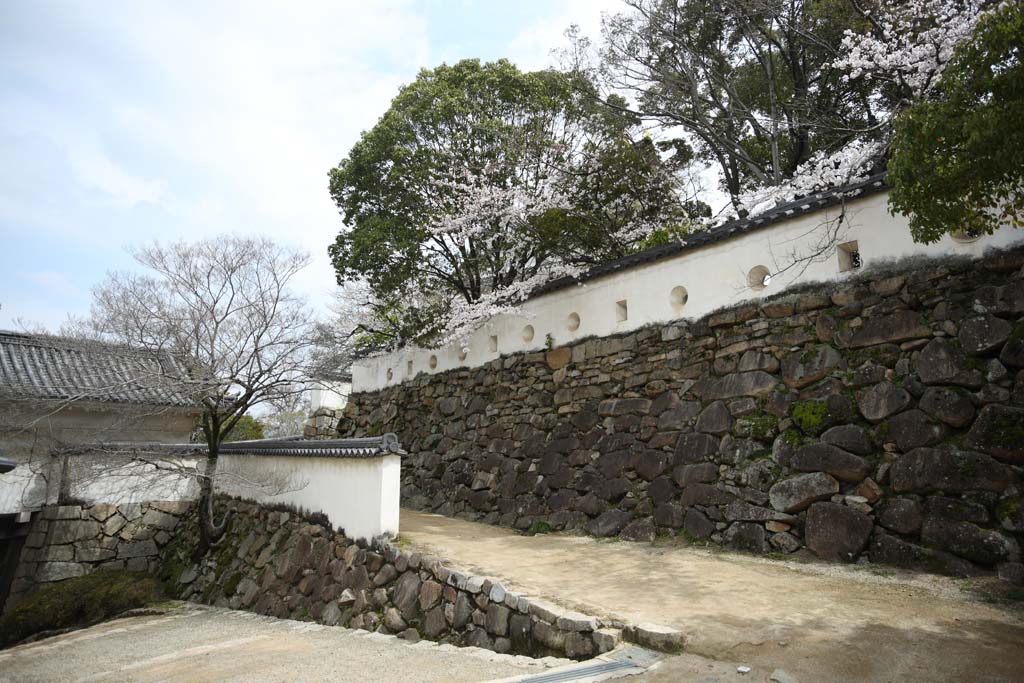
(210, 533)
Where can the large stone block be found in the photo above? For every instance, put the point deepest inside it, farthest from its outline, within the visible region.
(58, 571)
(755, 383)
(983, 334)
(932, 469)
(897, 327)
(836, 532)
(820, 457)
(803, 368)
(902, 515)
(999, 431)
(798, 493)
(72, 530)
(881, 401)
(968, 540)
(609, 523)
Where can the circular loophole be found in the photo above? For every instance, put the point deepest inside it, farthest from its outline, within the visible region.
(463, 353)
(678, 297)
(759, 277)
(433, 362)
(964, 237)
(572, 323)
(390, 374)
(528, 333)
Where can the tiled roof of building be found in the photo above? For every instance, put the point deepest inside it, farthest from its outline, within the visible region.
(735, 228)
(45, 367)
(365, 447)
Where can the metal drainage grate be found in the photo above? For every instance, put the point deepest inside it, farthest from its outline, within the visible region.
(627, 661)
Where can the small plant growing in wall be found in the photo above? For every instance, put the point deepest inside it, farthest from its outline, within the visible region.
(549, 341)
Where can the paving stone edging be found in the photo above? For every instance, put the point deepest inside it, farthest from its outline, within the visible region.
(280, 564)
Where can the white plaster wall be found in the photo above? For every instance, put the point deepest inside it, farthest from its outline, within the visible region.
(714, 276)
(329, 395)
(360, 495)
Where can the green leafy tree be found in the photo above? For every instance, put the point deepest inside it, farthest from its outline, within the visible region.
(246, 429)
(751, 82)
(957, 159)
(480, 182)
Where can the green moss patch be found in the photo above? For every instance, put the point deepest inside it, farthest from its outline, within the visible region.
(81, 601)
(810, 416)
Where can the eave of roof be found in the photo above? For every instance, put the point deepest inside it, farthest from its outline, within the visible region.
(726, 231)
(367, 447)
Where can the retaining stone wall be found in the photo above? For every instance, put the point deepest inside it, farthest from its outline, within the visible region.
(880, 418)
(71, 540)
(280, 564)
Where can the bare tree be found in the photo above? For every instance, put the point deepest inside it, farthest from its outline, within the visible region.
(223, 309)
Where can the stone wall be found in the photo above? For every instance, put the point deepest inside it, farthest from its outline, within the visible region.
(881, 418)
(72, 540)
(285, 565)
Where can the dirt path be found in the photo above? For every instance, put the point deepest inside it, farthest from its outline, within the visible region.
(815, 622)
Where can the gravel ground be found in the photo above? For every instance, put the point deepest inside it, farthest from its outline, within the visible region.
(192, 644)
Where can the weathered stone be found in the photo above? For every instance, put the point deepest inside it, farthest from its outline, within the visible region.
(160, 520)
(667, 515)
(385, 576)
(704, 494)
(803, 368)
(968, 540)
(881, 401)
(757, 360)
(697, 525)
(695, 448)
(609, 523)
(578, 645)
(999, 431)
(746, 536)
(784, 542)
(638, 530)
(755, 383)
(624, 406)
(661, 490)
(821, 457)
(430, 595)
(897, 327)
(462, 612)
(949, 405)
(941, 363)
(58, 571)
(650, 464)
(134, 549)
(983, 334)
(850, 438)
(957, 509)
(869, 490)
(798, 493)
(930, 469)
(836, 532)
(393, 620)
(702, 473)
(679, 416)
(72, 530)
(497, 619)
(738, 511)
(434, 623)
(1012, 354)
(912, 429)
(558, 358)
(715, 419)
(661, 638)
(102, 511)
(406, 597)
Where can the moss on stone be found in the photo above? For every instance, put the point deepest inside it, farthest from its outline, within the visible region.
(539, 527)
(231, 585)
(77, 602)
(762, 425)
(1008, 507)
(810, 415)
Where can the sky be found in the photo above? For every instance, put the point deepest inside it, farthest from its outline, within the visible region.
(127, 122)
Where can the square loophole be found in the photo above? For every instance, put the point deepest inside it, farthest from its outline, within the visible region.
(849, 256)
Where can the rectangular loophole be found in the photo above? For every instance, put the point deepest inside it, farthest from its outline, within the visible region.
(849, 256)
(408, 368)
(494, 343)
(621, 310)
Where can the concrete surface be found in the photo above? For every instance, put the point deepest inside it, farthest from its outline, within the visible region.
(193, 644)
(814, 622)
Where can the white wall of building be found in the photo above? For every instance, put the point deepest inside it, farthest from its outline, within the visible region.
(360, 495)
(713, 277)
(332, 395)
